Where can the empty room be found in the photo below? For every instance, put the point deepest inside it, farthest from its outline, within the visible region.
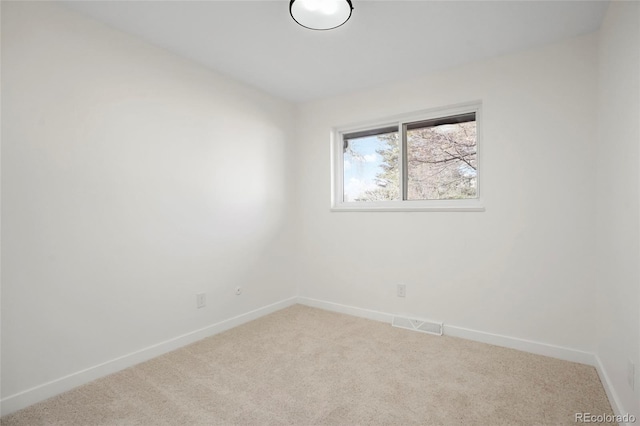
(320, 212)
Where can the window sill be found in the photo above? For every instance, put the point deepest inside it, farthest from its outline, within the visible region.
(410, 206)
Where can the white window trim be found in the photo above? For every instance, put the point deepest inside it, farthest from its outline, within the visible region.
(337, 165)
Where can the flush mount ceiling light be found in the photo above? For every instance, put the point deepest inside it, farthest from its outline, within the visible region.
(320, 14)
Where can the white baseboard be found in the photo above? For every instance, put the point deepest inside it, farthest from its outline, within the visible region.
(44, 391)
(530, 346)
(538, 348)
(344, 309)
(616, 404)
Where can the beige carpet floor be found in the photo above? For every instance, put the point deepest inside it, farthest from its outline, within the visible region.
(306, 366)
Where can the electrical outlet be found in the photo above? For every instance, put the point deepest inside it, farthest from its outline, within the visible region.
(402, 290)
(201, 300)
(631, 374)
(238, 291)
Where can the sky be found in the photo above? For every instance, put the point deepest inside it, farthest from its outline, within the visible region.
(361, 165)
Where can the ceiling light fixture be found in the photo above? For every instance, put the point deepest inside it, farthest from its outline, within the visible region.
(320, 14)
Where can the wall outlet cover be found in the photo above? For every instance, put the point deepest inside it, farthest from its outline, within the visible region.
(201, 300)
(401, 290)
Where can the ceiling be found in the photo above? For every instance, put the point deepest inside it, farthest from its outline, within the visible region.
(258, 43)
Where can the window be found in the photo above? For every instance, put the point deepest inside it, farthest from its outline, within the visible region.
(423, 161)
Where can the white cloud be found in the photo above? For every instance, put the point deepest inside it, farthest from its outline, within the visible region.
(347, 165)
(367, 158)
(356, 188)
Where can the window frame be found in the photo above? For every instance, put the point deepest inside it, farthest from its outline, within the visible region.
(402, 121)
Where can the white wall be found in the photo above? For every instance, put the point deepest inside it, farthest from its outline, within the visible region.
(131, 180)
(618, 196)
(524, 268)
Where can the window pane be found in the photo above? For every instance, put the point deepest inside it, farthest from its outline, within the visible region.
(371, 168)
(442, 162)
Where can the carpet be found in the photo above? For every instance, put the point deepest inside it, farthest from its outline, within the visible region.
(306, 366)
